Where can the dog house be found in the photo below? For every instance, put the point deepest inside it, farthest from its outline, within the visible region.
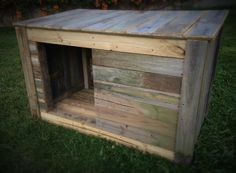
(140, 78)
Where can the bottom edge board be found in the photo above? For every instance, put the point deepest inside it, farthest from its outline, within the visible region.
(86, 129)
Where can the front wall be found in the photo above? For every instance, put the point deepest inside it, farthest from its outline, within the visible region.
(138, 99)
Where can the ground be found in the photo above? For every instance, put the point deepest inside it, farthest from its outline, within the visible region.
(28, 144)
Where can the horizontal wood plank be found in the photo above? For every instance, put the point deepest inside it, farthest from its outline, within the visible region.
(136, 106)
(153, 81)
(135, 133)
(141, 45)
(139, 93)
(145, 63)
(84, 128)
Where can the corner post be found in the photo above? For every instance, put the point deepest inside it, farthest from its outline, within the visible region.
(194, 61)
(23, 44)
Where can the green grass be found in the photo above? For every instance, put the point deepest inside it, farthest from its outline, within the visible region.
(28, 144)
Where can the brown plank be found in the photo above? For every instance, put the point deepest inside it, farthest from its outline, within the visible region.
(189, 100)
(27, 69)
(153, 81)
(45, 76)
(145, 63)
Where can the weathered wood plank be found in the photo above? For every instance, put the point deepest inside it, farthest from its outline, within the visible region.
(122, 26)
(85, 69)
(180, 24)
(208, 74)
(141, 45)
(45, 76)
(149, 27)
(91, 19)
(139, 121)
(208, 26)
(36, 21)
(135, 133)
(140, 93)
(190, 94)
(145, 63)
(84, 128)
(106, 23)
(153, 81)
(27, 69)
(135, 106)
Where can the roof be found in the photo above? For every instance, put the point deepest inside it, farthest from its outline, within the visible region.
(171, 24)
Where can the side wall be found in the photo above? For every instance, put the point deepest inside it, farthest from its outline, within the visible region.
(198, 72)
(137, 96)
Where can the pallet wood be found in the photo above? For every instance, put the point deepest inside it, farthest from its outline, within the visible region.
(60, 120)
(141, 78)
(149, 46)
(158, 24)
(190, 92)
(147, 80)
(27, 69)
(145, 63)
(207, 78)
(140, 93)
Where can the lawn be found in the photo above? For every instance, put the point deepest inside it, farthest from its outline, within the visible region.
(28, 144)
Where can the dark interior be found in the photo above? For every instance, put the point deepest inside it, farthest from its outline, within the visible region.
(66, 70)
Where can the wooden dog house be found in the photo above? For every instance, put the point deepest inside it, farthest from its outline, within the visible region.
(141, 78)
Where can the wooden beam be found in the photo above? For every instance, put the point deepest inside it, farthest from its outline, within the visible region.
(190, 95)
(141, 45)
(85, 69)
(86, 129)
(27, 69)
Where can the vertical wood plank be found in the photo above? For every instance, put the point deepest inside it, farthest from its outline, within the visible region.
(27, 69)
(190, 95)
(45, 76)
(208, 76)
(85, 69)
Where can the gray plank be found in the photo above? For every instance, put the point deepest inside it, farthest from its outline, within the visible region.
(90, 19)
(101, 26)
(43, 20)
(208, 26)
(180, 24)
(158, 21)
(129, 21)
(138, 62)
(190, 94)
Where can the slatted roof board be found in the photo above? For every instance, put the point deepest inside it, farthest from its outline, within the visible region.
(171, 24)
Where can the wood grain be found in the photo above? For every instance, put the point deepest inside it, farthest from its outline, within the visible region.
(141, 45)
(208, 26)
(27, 69)
(145, 63)
(156, 24)
(153, 81)
(153, 96)
(84, 128)
(190, 96)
